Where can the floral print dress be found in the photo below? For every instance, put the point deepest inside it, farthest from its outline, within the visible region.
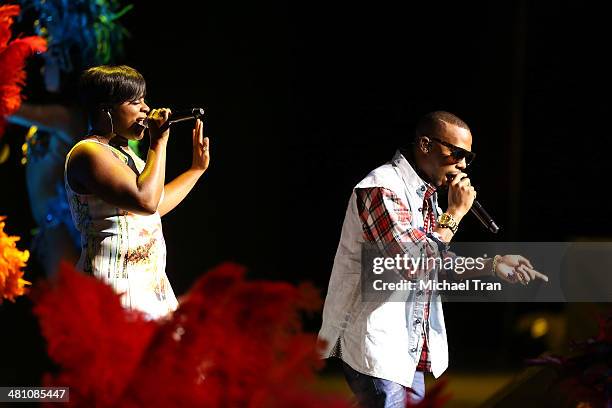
(123, 249)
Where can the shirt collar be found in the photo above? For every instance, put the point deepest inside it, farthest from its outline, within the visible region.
(411, 178)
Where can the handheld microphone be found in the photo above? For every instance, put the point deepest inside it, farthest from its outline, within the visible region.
(180, 116)
(480, 213)
(183, 115)
(484, 217)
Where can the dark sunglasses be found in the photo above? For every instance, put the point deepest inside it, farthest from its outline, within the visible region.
(457, 152)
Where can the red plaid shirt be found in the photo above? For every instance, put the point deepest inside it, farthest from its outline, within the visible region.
(387, 219)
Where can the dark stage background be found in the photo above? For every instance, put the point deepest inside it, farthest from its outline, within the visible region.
(305, 101)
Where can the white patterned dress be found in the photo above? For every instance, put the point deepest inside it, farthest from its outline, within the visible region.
(123, 249)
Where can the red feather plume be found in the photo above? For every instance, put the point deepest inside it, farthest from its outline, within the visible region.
(231, 343)
(97, 343)
(12, 60)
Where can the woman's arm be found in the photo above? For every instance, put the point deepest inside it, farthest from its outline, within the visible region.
(96, 169)
(177, 189)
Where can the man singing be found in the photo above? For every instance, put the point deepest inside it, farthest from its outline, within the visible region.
(387, 347)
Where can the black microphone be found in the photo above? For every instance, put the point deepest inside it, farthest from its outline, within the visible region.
(187, 114)
(479, 211)
(180, 116)
(484, 217)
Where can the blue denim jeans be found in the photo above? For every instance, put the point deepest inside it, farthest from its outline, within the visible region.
(372, 392)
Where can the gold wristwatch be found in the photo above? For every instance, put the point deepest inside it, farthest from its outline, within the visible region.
(447, 221)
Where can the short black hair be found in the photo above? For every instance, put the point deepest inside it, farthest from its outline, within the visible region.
(108, 85)
(430, 124)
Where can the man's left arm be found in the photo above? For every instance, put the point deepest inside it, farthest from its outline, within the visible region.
(510, 268)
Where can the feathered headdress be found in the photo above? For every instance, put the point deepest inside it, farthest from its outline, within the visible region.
(81, 33)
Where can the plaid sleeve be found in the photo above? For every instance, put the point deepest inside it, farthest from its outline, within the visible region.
(386, 221)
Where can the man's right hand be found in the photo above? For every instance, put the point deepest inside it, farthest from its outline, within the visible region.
(461, 195)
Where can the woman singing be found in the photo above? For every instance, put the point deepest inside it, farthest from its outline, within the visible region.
(116, 199)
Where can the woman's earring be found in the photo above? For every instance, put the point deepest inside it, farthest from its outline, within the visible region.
(111, 120)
